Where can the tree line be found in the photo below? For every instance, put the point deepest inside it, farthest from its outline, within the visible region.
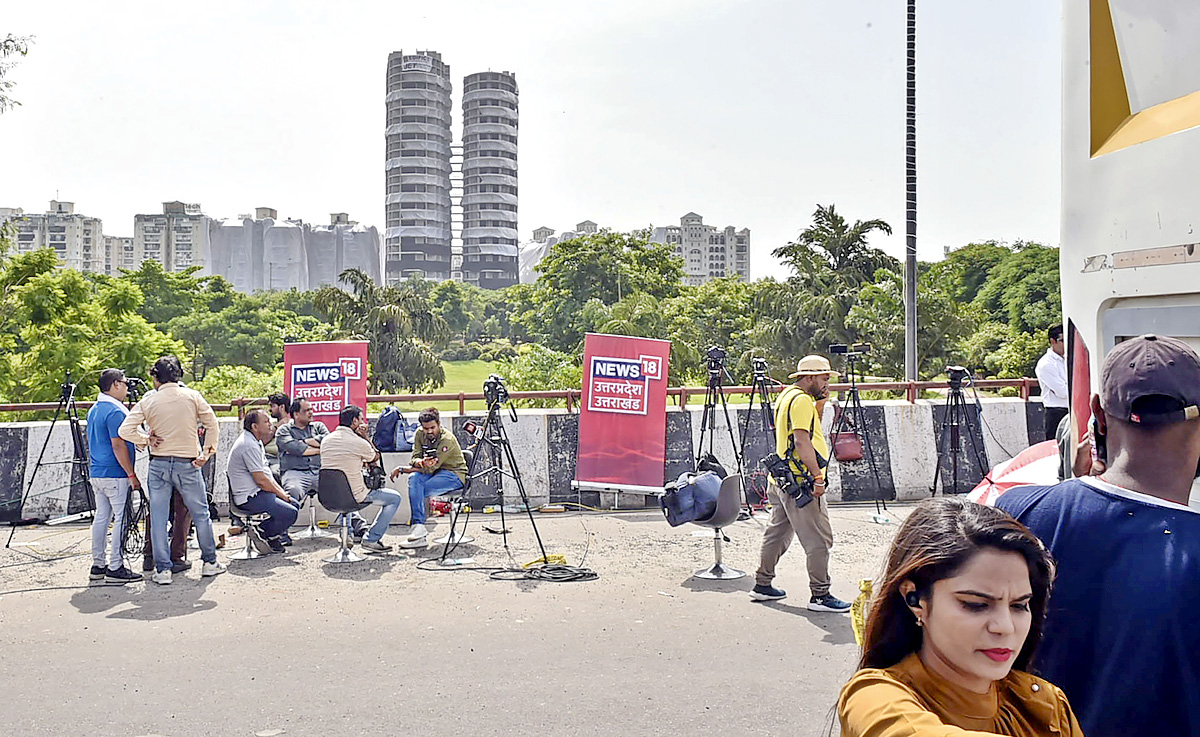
(986, 305)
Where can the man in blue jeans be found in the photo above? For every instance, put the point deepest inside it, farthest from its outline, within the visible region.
(437, 468)
(171, 413)
(252, 485)
(346, 449)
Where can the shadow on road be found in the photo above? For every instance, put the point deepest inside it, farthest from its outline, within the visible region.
(150, 602)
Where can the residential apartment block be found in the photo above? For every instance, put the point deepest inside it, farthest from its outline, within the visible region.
(176, 238)
(77, 239)
(708, 252)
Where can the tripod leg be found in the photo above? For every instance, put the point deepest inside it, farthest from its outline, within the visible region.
(516, 475)
(941, 454)
(62, 402)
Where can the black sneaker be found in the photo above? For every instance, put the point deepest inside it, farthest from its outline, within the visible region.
(286, 539)
(276, 544)
(764, 592)
(827, 603)
(97, 573)
(147, 565)
(179, 566)
(356, 536)
(121, 575)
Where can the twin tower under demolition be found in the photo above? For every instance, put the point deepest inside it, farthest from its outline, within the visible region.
(438, 191)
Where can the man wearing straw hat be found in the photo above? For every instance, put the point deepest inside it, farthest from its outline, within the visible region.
(798, 437)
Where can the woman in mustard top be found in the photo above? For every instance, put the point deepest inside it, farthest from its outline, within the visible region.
(952, 630)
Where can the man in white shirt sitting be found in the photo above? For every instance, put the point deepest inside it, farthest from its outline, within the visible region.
(253, 486)
(1052, 378)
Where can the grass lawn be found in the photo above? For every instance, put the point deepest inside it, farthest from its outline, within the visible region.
(461, 376)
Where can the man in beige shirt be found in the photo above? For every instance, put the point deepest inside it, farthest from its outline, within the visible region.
(346, 449)
(171, 414)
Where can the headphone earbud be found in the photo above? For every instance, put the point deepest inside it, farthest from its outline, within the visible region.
(912, 599)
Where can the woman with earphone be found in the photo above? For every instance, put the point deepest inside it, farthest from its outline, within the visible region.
(952, 630)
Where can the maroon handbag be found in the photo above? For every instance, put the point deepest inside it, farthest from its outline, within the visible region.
(847, 445)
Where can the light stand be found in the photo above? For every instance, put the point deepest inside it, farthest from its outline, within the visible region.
(852, 418)
(953, 422)
(66, 403)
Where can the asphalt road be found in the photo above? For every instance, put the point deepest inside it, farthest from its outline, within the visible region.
(288, 645)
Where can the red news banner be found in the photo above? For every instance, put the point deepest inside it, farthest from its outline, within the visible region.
(330, 375)
(623, 422)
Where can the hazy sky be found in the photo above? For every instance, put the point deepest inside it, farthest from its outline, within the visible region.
(631, 112)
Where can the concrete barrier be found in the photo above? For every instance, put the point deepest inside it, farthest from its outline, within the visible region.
(903, 439)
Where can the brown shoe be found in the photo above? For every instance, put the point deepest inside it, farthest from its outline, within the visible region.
(235, 530)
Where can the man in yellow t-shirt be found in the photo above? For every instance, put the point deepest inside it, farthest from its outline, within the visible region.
(798, 420)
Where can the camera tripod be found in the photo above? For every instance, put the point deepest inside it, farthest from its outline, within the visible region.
(852, 418)
(493, 437)
(79, 460)
(760, 389)
(954, 422)
(714, 393)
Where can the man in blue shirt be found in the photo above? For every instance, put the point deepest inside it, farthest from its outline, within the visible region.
(1121, 638)
(110, 466)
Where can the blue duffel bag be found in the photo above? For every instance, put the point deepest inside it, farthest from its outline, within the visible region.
(691, 497)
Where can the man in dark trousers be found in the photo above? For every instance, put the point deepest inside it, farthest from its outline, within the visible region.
(1120, 636)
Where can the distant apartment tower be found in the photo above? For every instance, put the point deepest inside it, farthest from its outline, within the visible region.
(178, 238)
(489, 166)
(707, 252)
(118, 254)
(417, 231)
(544, 239)
(77, 239)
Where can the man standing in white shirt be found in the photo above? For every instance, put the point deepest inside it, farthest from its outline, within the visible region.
(1051, 374)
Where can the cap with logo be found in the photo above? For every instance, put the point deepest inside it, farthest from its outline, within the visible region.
(812, 365)
(1151, 366)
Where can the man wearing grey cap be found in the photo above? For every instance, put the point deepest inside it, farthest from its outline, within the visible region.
(1120, 636)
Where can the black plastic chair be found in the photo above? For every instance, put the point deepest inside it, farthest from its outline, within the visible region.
(333, 491)
(729, 504)
(256, 543)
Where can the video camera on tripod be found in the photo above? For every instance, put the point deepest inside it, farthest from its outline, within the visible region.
(957, 374)
(494, 391)
(716, 359)
(137, 388)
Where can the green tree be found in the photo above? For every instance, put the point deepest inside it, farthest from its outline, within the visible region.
(223, 384)
(538, 368)
(10, 47)
(967, 268)
(1023, 290)
(404, 332)
(831, 242)
(878, 318)
(168, 295)
(55, 320)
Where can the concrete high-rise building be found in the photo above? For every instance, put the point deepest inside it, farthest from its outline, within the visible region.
(417, 232)
(118, 254)
(177, 238)
(77, 239)
(707, 252)
(426, 202)
(489, 167)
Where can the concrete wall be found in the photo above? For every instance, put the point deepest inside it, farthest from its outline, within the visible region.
(902, 439)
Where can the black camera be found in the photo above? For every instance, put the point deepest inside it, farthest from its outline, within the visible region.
(800, 489)
(137, 387)
(759, 366)
(374, 476)
(494, 391)
(849, 349)
(716, 359)
(957, 374)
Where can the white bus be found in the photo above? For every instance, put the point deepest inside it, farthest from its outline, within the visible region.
(1130, 251)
